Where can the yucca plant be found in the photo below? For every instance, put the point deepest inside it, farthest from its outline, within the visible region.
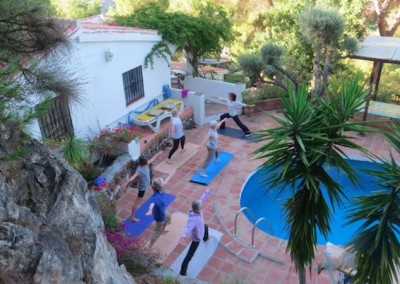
(75, 151)
(309, 138)
(375, 244)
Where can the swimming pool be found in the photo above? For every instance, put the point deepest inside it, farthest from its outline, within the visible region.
(268, 204)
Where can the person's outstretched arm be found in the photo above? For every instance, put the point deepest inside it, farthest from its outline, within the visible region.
(150, 210)
(125, 184)
(152, 159)
(240, 104)
(220, 122)
(168, 178)
(226, 100)
(205, 194)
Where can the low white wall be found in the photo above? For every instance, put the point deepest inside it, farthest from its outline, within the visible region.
(195, 100)
(212, 88)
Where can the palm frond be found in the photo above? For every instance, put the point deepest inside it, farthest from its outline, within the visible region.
(310, 137)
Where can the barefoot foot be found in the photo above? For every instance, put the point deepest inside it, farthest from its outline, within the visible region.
(133, 219)
(183, 150)
(203, 175)
(169, 162)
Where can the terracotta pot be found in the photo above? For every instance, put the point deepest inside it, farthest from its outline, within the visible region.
(249, 109)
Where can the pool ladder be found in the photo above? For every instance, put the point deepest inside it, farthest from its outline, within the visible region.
(262, 219)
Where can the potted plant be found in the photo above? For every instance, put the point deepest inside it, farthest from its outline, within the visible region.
(114, 142)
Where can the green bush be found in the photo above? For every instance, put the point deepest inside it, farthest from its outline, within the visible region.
(135, 266)
(75, 151)
(109, 214)
(253, 95)
(252, 66)
(235, 78)
(89, 171)
(170, 280)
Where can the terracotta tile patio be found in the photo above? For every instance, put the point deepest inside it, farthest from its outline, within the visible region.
(235, 258)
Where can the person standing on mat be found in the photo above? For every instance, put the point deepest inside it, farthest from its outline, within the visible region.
(196, 229)
(143, 175)
(211, 141)
(158, 208)
(176, 133)
(233, 112)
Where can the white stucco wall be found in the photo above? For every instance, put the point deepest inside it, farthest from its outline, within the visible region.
(103, 93)
(196, 101)
(212, 88)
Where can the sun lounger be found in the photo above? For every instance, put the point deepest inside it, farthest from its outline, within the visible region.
(383, 109)
(153, 117)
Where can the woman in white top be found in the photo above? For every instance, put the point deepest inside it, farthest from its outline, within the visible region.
(176, 133)
(211, 141)
(233, 112)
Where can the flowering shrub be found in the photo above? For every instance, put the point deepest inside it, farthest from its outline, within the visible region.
(123, 245)
(108, 141)
(130, 252)
(125, 134)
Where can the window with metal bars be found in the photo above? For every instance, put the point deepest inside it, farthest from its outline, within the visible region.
(56, 124)
(133, 85)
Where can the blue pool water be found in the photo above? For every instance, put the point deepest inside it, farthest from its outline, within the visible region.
(268, 204)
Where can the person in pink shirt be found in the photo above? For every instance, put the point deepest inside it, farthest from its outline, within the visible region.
(196, 229)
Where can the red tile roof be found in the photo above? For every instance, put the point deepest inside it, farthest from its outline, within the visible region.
(97, 25)
(209, 69)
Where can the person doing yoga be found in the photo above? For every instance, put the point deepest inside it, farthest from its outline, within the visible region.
(211, 141)
(233, 106)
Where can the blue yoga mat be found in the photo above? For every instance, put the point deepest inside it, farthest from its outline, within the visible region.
(235, 133)
(213, 169)
(135, 229)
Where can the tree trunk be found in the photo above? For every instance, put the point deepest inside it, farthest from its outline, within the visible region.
(378, 72)
(189, 68)
(302, 275)
(327, 70)
(316, 68)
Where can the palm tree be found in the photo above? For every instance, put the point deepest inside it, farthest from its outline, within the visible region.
(375, 244)
(309, 139)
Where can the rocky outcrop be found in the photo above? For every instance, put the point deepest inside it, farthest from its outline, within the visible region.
(51, 230)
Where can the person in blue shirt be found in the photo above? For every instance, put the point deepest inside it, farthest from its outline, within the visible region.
(158, 208)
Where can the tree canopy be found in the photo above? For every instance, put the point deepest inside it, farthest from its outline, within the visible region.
(76, 9)
(196, 35)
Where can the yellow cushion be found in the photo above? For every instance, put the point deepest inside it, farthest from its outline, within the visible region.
(155, 112)
(149, 115)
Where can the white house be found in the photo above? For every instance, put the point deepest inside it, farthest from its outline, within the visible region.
(110, 60)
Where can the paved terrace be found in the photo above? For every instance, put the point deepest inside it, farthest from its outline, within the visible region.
(234, 258)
